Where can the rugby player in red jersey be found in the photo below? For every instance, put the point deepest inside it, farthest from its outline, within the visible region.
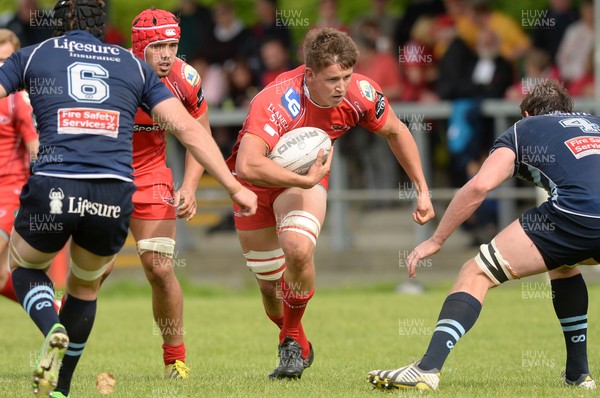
(155, 36)
(279, 240)
(87, 189)
(18, 142)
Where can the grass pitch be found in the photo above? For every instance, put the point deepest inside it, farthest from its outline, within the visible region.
(516, 349)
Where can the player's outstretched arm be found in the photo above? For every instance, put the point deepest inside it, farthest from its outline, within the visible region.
(174, 117)
(405, 149)
(253, 165)
(186, 195)
(496, 169)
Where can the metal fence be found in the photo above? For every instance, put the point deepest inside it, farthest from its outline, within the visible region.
(502, 112)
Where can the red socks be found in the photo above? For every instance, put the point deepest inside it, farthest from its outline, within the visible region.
(8, 291)
(279, 323)
(293, 310)
(172, 353)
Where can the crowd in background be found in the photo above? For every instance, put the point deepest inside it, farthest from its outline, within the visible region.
(463, 51)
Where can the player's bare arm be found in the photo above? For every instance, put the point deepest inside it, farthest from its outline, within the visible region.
(496, 169)
(405, 149)
(201, 144)
(185, 197)
(253, 165)
(33, 148)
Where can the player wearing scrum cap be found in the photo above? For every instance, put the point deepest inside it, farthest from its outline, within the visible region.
(155, 36)
(89, 126)
(279, 241)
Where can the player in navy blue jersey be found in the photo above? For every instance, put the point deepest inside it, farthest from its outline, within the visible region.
(85, 94)
(555, 149)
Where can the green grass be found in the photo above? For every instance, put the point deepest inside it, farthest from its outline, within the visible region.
(515, 350)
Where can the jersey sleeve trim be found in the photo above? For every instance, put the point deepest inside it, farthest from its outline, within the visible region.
(139, 65)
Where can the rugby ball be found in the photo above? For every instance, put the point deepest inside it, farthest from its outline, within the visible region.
(297, 149)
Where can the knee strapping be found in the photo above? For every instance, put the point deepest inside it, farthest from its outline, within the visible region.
(494, 265)
(18, 260)
(301, 222)
(87, 275)
(268, 266)
(161, 245)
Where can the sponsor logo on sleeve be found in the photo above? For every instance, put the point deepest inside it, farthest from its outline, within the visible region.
(291, 102)
(367, 90)
(88, 121)
(379, 105)
(200, 96)
(584, 146)
(270, 130)
(191, 75)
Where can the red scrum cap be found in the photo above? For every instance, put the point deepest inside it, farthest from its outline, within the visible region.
(153, 26)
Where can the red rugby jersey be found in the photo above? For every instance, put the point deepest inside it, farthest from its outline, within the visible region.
(284, 105)
(16, 128)
(149, 145)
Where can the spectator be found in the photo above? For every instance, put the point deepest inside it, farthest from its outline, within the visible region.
(328, 16)
(386, 24)
(242, 85)
(30, 23)
(419, 67)
(242, 88)
(415, 10)
(269, 25)
(196, 25)
(276, 59)
(584, 86)
(445, 24)
(577, 44)
(379, 66)
(514, 43)
(214, 82)
(484, 74)
(492, 73)
(378, 166)
(561, 14)
(229, 37)
(538, 66)
(470, 76)
(112, 35)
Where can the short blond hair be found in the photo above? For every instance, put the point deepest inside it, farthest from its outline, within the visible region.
(324, 47)
(9, 36)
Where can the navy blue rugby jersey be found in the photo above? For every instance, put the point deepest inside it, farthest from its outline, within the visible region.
(85, 94)
(559, 152)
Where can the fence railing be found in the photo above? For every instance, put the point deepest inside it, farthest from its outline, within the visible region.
(502, 112)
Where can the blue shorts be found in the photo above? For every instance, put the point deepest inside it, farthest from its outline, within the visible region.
(95, 213)
(561, 238)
